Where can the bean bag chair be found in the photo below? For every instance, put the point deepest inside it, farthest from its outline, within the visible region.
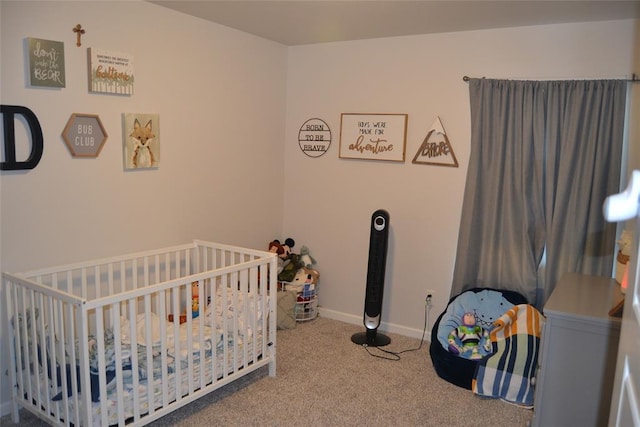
(487, 305)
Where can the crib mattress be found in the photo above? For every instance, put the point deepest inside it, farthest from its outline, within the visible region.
(114, 414)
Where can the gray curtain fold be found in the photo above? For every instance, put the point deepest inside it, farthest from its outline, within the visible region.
(544, 156)
(583, 168)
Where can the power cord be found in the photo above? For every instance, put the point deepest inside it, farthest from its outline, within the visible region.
(395, 355)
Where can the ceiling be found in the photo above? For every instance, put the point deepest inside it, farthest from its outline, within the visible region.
(292, 23)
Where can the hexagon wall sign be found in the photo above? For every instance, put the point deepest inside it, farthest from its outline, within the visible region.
(84, 135)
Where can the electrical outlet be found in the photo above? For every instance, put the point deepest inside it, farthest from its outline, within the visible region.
(429, 297)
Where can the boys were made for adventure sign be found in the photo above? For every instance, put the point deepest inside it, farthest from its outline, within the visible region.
(373, 136)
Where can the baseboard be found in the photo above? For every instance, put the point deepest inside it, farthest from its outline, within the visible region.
(384, 326)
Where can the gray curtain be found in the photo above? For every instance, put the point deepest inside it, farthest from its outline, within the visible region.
(544, 156)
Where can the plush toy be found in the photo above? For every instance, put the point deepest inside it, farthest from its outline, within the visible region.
(283, 251)
(304, 283)
(290, 269)
(469, 340)
(195, 300)
(306, 258)
(275, 247)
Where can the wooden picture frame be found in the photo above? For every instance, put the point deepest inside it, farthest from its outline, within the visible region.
(436, 149)
(141, 140)
(46, 63)
(110, 72)
(84, 135)
(373, 136)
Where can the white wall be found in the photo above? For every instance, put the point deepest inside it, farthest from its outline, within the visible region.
(230, 106)
(220, 95)
(329, 201)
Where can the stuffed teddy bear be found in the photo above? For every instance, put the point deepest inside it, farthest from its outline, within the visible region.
(469, 340)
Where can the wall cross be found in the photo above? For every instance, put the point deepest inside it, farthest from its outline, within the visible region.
(79, 32)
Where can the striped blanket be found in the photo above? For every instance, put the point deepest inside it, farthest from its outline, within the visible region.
(508, 372)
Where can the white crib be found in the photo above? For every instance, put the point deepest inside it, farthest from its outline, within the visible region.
(104, 326)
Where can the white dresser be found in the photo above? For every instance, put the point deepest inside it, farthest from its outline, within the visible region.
(578, 354)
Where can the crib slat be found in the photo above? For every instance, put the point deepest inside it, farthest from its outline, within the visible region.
(59, 330)
(32, 358)
(189, 350)
(82, 338)
(213, 321)
(225, 329)
(101, 350)
(117, 339)
(149, 355)
(163, 357)
(26, 348)
(266, 315)
(39, 365)
(11, 297)
(177, 379)
(135, 376)
(236, 337)
(201, 336)
(244, 314)
(253, 310)
(44, 365)
(58, 353)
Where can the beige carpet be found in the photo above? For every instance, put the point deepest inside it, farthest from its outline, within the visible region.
(323, 379)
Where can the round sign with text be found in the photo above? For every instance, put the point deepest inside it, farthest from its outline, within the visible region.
(314, 137)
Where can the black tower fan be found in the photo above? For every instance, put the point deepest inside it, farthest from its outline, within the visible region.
(378, 242)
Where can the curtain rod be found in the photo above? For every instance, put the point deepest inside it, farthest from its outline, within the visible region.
(634, 78)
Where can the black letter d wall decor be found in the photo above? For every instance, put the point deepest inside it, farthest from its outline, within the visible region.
(9, 143)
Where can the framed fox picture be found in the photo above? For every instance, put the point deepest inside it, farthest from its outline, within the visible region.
(141, 141)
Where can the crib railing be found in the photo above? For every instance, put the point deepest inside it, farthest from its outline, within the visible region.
(70, 322)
